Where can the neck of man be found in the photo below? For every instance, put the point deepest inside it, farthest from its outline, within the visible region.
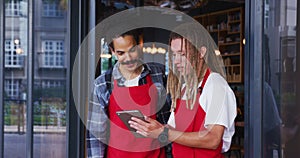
(129, 75)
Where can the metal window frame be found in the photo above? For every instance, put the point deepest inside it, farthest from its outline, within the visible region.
(30, 80)
(253, 78)
(2, 56)
(78, 22)
(297, 52)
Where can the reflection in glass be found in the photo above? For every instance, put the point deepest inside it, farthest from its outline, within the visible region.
(281, 133)
(15, 84)
(49, 95)
(105, 9)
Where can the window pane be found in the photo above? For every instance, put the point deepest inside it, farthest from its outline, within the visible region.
(15, 84)
(52, 9)
(49, 109)
(49, 93)
(280, 112)
(12, 8)
(52, 54)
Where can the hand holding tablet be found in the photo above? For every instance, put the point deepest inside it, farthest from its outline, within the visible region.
(126, 115)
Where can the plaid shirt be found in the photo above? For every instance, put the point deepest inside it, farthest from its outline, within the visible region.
(98, 121)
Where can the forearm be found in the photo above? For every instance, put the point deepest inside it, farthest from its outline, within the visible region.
(97, 138)
(95, 148)
(97, 127)
(208, 139)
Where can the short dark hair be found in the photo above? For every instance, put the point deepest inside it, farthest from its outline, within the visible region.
(136, 34)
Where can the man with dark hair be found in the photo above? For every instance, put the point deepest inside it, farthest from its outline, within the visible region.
(129, 85)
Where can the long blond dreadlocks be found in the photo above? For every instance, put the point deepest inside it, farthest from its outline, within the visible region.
(193, 37)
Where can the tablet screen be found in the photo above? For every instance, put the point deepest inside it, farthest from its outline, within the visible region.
(126, 115)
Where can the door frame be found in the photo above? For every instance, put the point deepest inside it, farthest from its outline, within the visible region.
(253, 78)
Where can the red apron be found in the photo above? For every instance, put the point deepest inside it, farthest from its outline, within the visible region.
(192, 121)
(122, 143)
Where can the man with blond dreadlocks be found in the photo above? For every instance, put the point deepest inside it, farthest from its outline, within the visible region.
(203, 105)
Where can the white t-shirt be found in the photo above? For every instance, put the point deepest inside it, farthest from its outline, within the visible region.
(219, 103)
(133, 82)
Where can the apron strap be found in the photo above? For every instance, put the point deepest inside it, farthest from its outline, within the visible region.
(204, 81)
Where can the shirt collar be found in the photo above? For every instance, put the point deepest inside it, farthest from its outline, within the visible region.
(118, 76)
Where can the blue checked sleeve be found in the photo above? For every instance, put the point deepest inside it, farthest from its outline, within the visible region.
(97, 121)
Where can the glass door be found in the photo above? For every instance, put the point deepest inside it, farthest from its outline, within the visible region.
(15, 78)
(281, 117)
(35, 77)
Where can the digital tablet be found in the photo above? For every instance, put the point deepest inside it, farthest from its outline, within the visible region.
(126, 115)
